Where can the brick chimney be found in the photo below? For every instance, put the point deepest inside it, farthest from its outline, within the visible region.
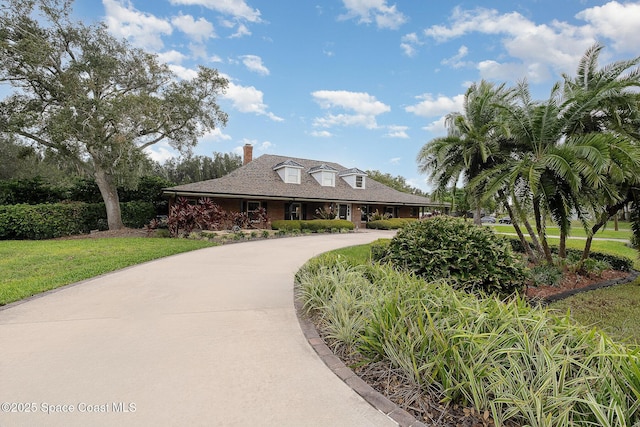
(248, 153)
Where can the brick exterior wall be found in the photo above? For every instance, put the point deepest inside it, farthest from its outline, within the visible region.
(277, 210)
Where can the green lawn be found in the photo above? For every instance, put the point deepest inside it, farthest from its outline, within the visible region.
(576, 231)
(31, 267)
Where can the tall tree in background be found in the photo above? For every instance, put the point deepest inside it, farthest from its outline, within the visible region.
(190, 169)
(396, 182)
(93, 99)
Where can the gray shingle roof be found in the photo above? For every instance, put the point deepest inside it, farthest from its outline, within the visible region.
(258, 179)
(322, 167)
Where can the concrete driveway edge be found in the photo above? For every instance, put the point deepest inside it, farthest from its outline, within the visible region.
(337, 366)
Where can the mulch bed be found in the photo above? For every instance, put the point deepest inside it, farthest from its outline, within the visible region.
(573, 283)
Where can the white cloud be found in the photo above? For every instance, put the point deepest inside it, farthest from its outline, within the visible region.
(360, 120)
(241, 32)
(359, 102)
(161, 152)
(368, 11)
(142, 29)
(235, 8)
(264, 146)
(248, 99)
(198, 30)
(456, 60)
(615, 21)
(364, 106)
(216, 135)
(536, 50)
(437, 127)
(259, 146)
(409, 44)
(395, 160)
(431, 107)
(397, 132)
(321, 134)
(254, 63)
(183, 72)
(171, 56)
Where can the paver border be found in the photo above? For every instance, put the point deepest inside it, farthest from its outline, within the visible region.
(357, 384)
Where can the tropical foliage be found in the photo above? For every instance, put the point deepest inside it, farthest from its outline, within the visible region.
(518, 364)
(576, 153)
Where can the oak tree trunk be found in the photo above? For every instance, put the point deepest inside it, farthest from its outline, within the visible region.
(109, 193)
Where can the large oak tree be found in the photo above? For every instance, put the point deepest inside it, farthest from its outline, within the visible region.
(95, 99)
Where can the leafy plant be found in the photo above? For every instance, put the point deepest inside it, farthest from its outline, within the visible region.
(377, 216)
(545, 275)
(185, 216)
(524, 365)
(323, 213)
(472, 258)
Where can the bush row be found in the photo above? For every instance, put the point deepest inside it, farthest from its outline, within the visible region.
(48, 221)
(313, 225)
(616, 262)
(521, 364)
(390, 224)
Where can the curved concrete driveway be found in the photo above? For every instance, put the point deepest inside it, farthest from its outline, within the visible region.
(207, 338)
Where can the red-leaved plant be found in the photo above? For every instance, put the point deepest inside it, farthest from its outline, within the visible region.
(185, 216)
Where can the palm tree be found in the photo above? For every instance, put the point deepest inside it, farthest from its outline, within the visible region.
(602, 102)
(472, 138)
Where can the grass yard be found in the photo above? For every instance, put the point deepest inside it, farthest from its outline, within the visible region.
(30, 267)
(624, 232)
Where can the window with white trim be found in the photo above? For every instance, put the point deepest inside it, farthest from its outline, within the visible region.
(292, 175)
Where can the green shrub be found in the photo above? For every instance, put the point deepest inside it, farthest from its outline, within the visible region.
(282, 224)
(314, 225)
(379, 249)
(137, 214)
(47, 221)
(389, 224)
(545, 275)
(473, 258)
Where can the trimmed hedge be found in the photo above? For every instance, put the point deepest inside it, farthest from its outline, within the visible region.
(47, 221)
(314, 225)
(390, 224)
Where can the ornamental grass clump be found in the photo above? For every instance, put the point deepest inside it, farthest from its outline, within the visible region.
(524, 365)
(471, 258)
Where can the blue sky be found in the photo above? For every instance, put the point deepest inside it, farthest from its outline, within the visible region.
(364, 83)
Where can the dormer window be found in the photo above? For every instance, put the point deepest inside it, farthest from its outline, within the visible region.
(354, 177)
(289, 171)
(324, 174)
(292, 175)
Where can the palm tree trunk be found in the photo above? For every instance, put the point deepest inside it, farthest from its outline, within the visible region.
(541, 231)
(477, 214)
(527, 248)
(562, 247)
(532, 234)
(609, 212)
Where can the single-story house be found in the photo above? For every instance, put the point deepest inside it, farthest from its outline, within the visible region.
(292, 188)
